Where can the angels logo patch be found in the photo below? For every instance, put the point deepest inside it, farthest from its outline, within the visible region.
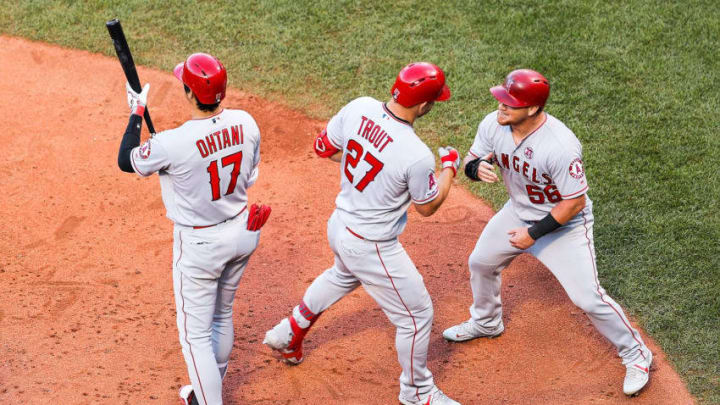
(145, 150)
(431, 181)
(528, 153)
(576, 168)
(509, 83)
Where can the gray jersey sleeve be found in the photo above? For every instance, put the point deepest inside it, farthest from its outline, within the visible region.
(483, 144)
(256, 154)
(335, 128)
(150, 157)
(568, 173)
(422, 183)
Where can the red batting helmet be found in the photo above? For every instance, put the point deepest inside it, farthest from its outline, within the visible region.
(523, 88)
(205, 76)
(420, 82)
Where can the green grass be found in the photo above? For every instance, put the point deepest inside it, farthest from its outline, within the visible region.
(637, 81)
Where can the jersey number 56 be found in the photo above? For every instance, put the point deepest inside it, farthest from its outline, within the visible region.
(538, 195)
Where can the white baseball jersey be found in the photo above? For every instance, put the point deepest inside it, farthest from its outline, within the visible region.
(205, 166)
(384, 166)
(545, 168)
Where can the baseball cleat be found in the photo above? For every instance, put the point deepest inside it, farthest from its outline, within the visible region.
(434, 397)
(637, 375)
(468, 331)
(286, 337)
(187, 395)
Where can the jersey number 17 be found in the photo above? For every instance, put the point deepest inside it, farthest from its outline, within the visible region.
(234, 159)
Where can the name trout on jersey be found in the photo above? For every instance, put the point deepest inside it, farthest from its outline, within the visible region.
(368, 129)
(374, 133)
(220, 140)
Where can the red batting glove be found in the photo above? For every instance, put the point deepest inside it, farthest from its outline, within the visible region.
(450, 158)
(257, 217)
(137, 101)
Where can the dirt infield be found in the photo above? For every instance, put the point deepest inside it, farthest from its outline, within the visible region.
(87, 313)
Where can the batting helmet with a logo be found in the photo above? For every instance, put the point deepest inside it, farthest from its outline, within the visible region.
(205, 76)
(523, 88)
(418, 83)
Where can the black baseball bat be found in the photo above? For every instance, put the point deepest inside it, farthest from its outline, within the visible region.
(126, 60)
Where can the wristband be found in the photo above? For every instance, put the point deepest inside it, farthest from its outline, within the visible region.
(450, 165)
(543, 227)
(471, 169)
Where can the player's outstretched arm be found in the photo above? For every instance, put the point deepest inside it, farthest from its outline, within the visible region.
(131, 138)
(450, 159)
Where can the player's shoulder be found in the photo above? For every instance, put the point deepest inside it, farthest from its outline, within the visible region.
(490, 118)
(559, 132)
(168, 134)
(237, 114)
(362, 102)
(489, 122)
(415, 150)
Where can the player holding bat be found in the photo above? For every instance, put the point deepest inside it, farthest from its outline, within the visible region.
(206, 166)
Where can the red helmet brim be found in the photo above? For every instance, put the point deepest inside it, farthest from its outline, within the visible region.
(444, 94)
(502, 95)
(178, 71)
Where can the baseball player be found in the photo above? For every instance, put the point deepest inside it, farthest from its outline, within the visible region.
(205, 168)
(548, 215)
(384, 168)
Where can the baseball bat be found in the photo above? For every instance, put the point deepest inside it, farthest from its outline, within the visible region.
(126, 60)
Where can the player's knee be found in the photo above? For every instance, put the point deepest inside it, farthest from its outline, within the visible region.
(425, 317)
(478, 263)
(587, 302)
(414, 318)
(423, 311)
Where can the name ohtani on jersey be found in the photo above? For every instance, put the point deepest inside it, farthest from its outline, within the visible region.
(205, 166)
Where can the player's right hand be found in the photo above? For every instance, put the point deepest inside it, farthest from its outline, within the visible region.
(486, 171)
(136, 100)
(450, 158)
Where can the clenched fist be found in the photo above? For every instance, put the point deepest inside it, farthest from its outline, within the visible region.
(137, 102)
(450, 158)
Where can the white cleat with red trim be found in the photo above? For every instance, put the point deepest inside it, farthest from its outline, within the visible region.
(434, 397)
(468, 331)
(637, 375)
(287, 337)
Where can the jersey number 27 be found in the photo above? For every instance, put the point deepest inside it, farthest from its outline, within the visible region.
(234, 159)
(354, 152)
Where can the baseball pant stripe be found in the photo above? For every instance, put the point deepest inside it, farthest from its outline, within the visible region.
(412, 348)
(597, 283)
(182, 297)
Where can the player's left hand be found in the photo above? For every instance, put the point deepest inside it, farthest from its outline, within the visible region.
(136, 100)
(450, 158)
(520, 238)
